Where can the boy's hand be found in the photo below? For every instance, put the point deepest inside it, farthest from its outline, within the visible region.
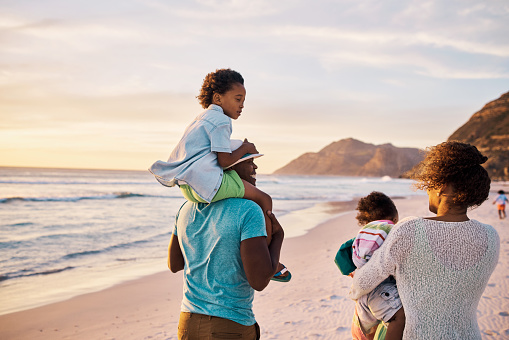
(276, 227)
(249, 147)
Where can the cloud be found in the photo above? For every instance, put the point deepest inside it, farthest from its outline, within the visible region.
(422, 53)
(237, 10)
(377, 40)
(317, 71)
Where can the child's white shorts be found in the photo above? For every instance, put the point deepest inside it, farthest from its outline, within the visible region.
(379, 304)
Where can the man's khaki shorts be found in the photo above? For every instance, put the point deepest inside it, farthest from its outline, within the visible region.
(198, 326)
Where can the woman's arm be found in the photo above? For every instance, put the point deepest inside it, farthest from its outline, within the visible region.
(384, 261)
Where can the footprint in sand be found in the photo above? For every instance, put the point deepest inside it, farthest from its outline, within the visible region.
(488, 332)
(503, 313)
(314, 335)
(332, 297)
(292, 322)
(342, 329)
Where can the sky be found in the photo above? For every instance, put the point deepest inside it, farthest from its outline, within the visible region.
(113, 84)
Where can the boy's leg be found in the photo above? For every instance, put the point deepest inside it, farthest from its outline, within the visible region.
(385, 304)
(263, 200)
(396, 326)
(190, 195)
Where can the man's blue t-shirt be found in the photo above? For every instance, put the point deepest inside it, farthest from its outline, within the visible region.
(209, 236)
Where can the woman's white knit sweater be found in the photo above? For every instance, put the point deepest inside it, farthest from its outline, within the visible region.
(441, 270)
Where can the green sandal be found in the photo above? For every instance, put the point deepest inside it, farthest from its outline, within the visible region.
(279, 275)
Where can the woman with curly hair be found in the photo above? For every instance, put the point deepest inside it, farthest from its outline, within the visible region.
(442, 263)
(200, 163)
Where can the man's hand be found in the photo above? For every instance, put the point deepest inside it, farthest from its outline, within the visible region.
(276, 227)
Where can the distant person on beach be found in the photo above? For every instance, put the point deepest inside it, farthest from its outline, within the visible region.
(377, 214)
(223, 251)
(500, 201)
(442, 264)
(198, 161)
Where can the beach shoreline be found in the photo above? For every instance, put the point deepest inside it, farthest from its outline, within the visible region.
(313, 305)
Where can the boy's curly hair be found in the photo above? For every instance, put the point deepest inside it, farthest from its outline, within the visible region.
(220, 81)
(375, 206)
(456, 164)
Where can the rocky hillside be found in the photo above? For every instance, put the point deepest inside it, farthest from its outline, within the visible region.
(350, 157)
(488, 130)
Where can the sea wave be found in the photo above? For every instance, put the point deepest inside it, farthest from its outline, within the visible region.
(107, 196)
(9, 276)
(317, 198)
(74, 256)
(127, 194)
(125, 245)
(74, 182)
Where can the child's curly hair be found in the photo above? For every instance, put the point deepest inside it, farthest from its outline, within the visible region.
(220, 81)
(456, 164)
(375, 206)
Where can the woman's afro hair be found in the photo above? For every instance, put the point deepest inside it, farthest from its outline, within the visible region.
(456, 164)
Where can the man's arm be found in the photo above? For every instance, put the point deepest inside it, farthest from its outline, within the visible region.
(175, 257)
(261, 261)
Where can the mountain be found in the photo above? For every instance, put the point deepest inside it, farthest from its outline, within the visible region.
(350, 157)
(488, 130)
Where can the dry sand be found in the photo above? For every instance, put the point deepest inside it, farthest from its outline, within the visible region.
(312, 306)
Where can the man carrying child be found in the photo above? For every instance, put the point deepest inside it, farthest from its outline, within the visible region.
(223, 251)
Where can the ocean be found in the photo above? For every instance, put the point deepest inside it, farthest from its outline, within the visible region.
(66, 232)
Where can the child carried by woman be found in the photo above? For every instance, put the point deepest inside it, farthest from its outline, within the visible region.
(377, 214)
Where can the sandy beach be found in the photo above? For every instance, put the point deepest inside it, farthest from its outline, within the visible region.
(314, 305)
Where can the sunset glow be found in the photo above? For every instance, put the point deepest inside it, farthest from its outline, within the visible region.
(113, 85)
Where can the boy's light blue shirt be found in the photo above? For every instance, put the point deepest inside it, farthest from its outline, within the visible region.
(501, 199)
(209, 235)
(194, 159)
